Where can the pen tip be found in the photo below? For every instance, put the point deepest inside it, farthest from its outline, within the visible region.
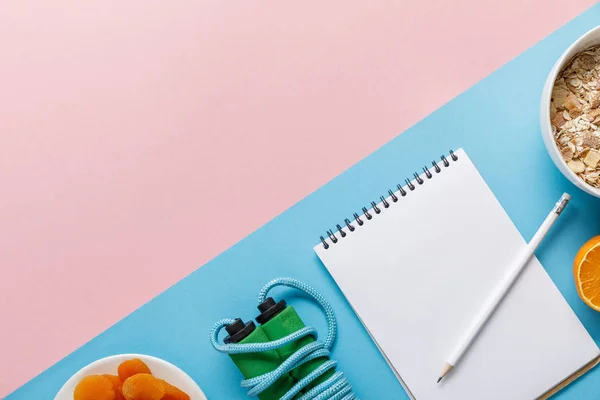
(439, 379)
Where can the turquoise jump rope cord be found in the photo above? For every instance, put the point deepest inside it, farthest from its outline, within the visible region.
(336, 387)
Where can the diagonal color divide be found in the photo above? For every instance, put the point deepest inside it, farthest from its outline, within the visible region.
(139, 140)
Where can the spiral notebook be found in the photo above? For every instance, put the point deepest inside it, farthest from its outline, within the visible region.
(416, 266)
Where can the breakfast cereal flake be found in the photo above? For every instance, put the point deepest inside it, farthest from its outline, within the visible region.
(575, 114)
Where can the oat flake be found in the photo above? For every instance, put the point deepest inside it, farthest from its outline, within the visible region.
(575, 113)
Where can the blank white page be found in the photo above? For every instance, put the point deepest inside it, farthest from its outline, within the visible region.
(418, 272)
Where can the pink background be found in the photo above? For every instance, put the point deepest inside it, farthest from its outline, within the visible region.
(139, 139)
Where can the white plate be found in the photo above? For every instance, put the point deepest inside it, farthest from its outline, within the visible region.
(160, 368)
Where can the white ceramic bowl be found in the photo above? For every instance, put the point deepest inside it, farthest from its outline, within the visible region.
(589, 39)
(160, 368)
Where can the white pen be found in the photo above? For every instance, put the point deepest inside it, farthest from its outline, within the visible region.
(495, 298)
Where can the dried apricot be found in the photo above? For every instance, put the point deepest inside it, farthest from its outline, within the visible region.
(94, 387)
(117, 386)
(131, 367)
(143, 387)
(173, 393)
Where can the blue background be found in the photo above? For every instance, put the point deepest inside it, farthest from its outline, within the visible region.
(496, 122)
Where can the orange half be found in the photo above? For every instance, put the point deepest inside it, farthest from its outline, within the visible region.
(586, 270)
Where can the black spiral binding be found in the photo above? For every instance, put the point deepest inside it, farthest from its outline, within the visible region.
(375, 209)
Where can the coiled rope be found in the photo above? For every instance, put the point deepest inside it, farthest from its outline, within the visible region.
(337, 387)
